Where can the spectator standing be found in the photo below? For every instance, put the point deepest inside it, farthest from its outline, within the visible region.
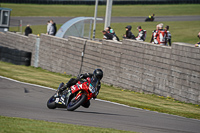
(48, 27)
(129, 34)
(161, 35)
(168, 42)
(54, 25)
(28, 30)
(51, 28)
(141, 34)
(198, 43)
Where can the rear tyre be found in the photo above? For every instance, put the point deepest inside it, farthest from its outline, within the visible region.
(51, 103)
(74, 104)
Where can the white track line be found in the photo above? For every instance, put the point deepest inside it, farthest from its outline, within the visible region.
(27, 83)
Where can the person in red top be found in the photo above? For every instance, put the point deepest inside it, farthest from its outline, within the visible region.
(161, 35)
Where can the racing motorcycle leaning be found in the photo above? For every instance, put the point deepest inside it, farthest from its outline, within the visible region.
(75, 96)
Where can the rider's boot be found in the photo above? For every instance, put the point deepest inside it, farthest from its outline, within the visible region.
(71, 82)
(64, 87)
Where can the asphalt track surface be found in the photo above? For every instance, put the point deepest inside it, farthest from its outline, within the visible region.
(28, 101)
(62, 20)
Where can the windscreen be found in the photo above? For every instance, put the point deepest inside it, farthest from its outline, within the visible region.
(93, 85)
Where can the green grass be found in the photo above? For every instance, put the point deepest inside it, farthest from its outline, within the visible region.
(110, 93)
(182, 31)
(22, 125)
(88, 10)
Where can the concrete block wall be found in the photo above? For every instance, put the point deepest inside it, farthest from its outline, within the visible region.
(144, 67)
(20, 42)
(184, 80)
(61, 55)
(139, 66)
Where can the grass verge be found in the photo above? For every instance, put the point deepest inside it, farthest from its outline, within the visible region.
(88, 10)
(110, 93)
(21, 125)
(181, 31)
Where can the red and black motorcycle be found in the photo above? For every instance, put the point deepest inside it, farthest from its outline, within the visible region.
(75, 96)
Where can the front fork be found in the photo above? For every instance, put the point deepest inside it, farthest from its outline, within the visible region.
(78, 95)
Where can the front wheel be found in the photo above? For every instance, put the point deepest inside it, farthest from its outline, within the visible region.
(75, 103)
(51, 103)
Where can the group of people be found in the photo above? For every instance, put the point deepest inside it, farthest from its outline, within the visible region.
(129, 35)
(51, 28)
(159, 36)
(109, 34)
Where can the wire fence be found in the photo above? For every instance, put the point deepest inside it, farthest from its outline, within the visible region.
(102, 2)
(16, 23)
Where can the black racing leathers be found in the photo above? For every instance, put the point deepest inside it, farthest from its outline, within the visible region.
(81, 78)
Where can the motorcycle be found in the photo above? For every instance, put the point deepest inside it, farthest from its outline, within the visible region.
(73, 97)
(149, 19)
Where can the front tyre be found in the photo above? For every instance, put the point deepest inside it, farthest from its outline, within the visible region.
(74, 104)
(51, 103)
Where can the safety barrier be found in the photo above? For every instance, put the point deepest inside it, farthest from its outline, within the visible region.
(14, 56)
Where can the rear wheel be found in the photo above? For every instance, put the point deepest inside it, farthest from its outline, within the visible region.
(75, 103)
(51, 103)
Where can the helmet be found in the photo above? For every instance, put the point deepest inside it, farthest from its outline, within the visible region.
(98, 73)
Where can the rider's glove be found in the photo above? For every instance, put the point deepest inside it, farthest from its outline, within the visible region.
(80, 76)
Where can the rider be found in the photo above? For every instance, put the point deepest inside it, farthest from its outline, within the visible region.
(95, 78)
(151, 17)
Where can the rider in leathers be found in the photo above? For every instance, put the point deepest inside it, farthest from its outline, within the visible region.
(96, 76)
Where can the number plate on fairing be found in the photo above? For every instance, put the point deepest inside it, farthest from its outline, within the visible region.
(92, 89)
(57, 100)
(60, 100)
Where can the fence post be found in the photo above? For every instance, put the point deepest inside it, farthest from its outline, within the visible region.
(21, 27)
(37, 48)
